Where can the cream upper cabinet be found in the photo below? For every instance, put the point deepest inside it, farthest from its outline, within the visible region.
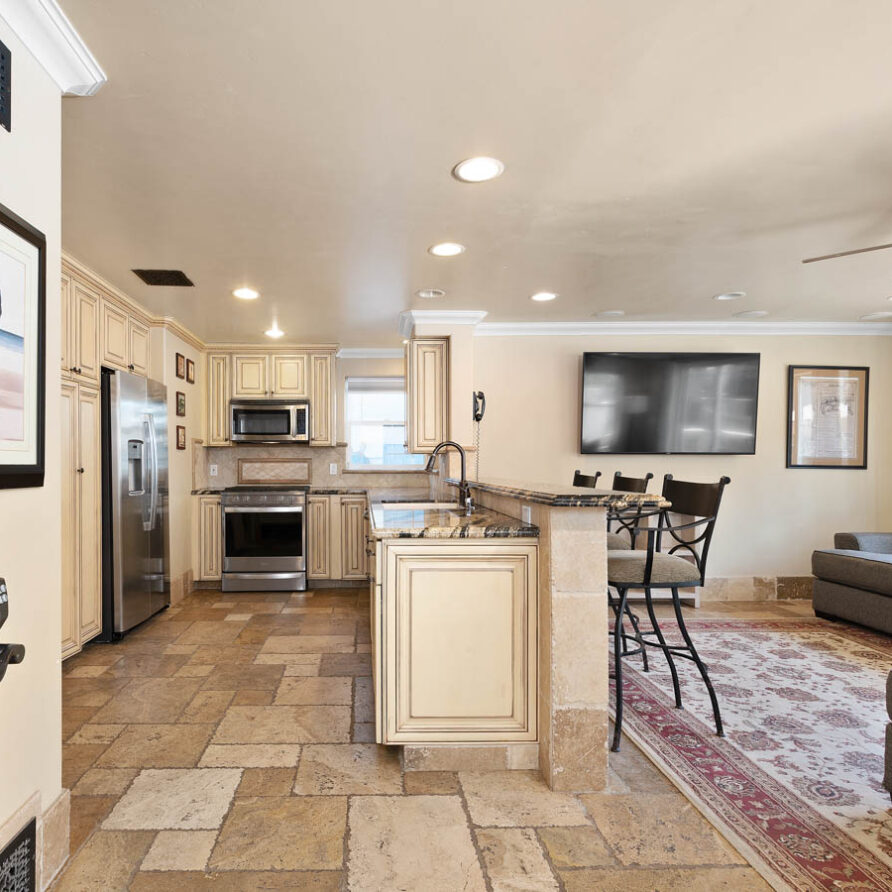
(321, 428)
(319, 535)
(218, 399)
(85, 358)
(115, 346)
(70, 477)
(68, 326)
(90, 512)
(210, 526)
(353, 537)
(290, 378)
(458, 644)
(250, 375)
(427, 370)
(138, 337)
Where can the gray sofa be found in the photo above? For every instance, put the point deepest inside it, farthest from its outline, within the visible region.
(887, 777)
(853, 581)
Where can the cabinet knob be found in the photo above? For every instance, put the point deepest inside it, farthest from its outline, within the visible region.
(80, 470)
(131, 366)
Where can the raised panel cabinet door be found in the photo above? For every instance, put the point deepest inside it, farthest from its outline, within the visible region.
(211, 532)
(319, 537)
(139, 347)
(428, 393)
(250, 376)
(290, 376)
(67, 341)
(115, 346)
(353, 541)
(89, 514)
(321, 429)
(85, 304)
(218, 399)
(69, 482)
(460, 642)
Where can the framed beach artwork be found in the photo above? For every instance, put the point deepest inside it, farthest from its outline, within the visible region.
(22, 352)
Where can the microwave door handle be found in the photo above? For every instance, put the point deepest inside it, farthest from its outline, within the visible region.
(152, 438)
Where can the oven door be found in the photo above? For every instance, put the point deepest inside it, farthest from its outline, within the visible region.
(263, 540)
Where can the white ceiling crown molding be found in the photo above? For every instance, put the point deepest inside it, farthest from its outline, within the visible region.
(557, 329)
(410, 318)
(52, 40)
(370, 353)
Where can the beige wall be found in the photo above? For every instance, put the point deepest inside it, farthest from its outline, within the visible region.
(772, 518)
(30, 529)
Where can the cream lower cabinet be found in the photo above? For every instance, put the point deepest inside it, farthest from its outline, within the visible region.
(455, 641)
(337, 530)
(210, 538)
(81, 517)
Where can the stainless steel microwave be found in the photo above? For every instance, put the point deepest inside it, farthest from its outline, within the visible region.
(269, 421)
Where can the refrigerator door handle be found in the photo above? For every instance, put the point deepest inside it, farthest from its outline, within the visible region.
(149, 420)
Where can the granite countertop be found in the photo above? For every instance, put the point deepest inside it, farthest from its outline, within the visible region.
(392, 521)
(566, 496)
(404, 494)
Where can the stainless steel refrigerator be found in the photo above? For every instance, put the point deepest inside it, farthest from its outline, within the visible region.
(135, 539)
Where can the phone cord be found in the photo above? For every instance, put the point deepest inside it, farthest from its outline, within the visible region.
(476, 450)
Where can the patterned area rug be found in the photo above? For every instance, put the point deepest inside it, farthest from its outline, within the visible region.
(796, 784)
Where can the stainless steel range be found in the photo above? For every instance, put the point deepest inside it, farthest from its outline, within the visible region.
(264, 539)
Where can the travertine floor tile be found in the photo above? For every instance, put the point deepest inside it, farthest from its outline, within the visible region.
(363, 700)
(318, 644)
(149, 701)
(104, 782)
(73, 717)
(282, 833)
(431, 782)
(224, 654)
(238, 881)
(638, 773)
(243, 677)
(363, 732)
(253, 698)
(284, 724)
(575, 847)
(266, 782)
(417, 842)
(207, 706)
(180, 850)
(517, 799)
(90, 733)
(250, 755)
(206, 632)
(144, 665)
(175, 799)
(702, 879)
(348, 769)
(345, 664)
(331, 691)
(194, 670)
(157, 746)
(105, 862)
(84, 817)
(514, 861)
(85, 672)
(76, 759)
(288, 660)
(657, 829)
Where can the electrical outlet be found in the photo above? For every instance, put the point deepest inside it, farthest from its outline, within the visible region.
(525, 513)
(212, 470)
(333, 469)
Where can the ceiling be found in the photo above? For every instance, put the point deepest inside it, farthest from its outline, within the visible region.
(657, 153)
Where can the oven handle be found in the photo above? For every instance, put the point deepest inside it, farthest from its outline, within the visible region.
(293, 509)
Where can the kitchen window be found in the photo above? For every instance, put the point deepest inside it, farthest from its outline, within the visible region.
(375, 418)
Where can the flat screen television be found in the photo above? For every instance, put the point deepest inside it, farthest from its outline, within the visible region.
(669, 403)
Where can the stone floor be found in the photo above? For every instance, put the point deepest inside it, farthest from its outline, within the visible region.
(225, 744)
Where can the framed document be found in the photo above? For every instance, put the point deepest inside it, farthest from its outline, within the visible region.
(827, 417)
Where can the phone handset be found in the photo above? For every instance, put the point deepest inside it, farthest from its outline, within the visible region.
(479, 405)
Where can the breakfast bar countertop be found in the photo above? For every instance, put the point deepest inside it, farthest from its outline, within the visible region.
(394, 521)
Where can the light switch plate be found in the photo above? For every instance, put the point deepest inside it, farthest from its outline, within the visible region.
(333, 468)
(212, 470)
(525, 513)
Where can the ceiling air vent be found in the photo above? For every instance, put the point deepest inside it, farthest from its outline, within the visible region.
(174, 277)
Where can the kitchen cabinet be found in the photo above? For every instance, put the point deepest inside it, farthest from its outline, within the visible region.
(138, 338)
(337, 529)
(321, 427)
(81, 513)
(210, 534)
(80, 331)
(218, 391)
(290, 378)
(125, 339)
(454, 641)
(354, 535)
(250, 375)
(427, 375)
(319, 537)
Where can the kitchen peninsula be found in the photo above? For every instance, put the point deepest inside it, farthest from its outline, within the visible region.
(490, 630)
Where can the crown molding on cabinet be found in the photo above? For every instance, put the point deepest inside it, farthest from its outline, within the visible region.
(410, 318)
(45, 30)
(269, 348)
(371, 353)
(558, 329)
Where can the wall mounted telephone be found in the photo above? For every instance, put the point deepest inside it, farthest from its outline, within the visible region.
(10, 654)
(479, 405)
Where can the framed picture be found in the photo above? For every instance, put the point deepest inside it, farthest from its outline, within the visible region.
(181, 404)
(190, 371)
(181, 437)
(22, 352)
(181, 365)
(827, 417)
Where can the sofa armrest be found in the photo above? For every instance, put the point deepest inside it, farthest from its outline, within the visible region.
(878, 543)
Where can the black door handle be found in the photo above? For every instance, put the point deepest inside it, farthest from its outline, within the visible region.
(10, 655)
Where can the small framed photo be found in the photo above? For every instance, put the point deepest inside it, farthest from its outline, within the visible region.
(181, 404)
(827, 417)
(190, 371)
(181, 437)
(181, 365)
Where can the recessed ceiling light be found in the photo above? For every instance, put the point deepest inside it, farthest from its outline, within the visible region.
(275, 331)
(609, 313)
(750, 314)
(428, 293)
(542, 296)
(446, 249)
(478, 170)
(885, 314)
(246, 294)
(730, 295)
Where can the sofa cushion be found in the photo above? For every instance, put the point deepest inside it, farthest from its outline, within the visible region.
(627, 568)
(861, 569)
(878, 543)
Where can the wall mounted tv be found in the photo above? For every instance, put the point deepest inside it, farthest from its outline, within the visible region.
(669, 403)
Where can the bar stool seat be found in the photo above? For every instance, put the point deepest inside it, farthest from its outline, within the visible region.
(627, 567)
(618, 542)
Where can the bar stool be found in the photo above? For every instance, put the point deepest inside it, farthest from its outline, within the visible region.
(580, 479)
(654, 568)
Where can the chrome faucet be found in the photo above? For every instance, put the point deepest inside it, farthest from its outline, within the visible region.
(464, 488)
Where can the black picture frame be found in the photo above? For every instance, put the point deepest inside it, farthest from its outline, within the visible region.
(190, 371)
(181, 437)
(18, 476)
(793, 432)
(181, 404)
(180, 366)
